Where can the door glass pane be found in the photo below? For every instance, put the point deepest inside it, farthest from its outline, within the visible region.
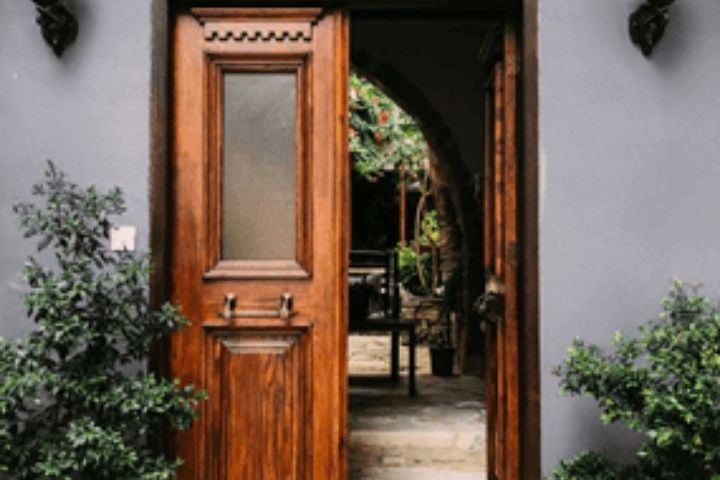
(258, 212)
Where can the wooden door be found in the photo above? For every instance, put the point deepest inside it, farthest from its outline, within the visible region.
(500, 253)
(259, 240)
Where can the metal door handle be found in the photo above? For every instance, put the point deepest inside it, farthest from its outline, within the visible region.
(491, 304)
(286, 305)
(285, 312)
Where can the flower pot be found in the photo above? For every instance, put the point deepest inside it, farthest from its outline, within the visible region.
(442, 360)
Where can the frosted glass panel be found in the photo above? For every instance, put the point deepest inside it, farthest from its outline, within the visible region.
(258, 221)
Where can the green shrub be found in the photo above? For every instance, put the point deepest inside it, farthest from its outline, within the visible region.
(70, 406)
(382, 135)
(587, 466)
(665, 385)
(408, 261)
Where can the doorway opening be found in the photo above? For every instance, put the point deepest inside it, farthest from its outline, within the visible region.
(420, 136)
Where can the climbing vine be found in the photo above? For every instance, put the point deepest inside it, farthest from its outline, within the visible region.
(58, 24)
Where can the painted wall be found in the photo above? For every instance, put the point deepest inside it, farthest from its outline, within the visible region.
(630, 170)
(89, 112)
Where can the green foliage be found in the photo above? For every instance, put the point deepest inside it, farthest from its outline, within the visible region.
(382, 135)
(70, 408)
(408, 261)
(665, 385)
(430, 229)
(591, 466)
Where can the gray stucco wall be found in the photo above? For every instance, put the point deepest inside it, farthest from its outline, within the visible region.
(630, 167)
(89, 112)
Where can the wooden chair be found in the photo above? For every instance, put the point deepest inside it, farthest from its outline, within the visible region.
(364, 265)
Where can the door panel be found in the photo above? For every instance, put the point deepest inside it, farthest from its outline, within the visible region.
(259, 240)
(258, 389)
(500, 211)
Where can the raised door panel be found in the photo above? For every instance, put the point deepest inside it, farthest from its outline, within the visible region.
(258, 389)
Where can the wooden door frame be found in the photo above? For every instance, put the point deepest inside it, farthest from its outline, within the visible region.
(524, 446)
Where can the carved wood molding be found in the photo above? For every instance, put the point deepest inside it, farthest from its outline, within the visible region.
(258, 25)
(280, 32)
(277, 344)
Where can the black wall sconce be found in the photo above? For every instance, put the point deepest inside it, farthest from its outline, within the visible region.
(58, 24)
(648, 23)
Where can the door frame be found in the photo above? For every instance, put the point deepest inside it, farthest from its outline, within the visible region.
(524, 447)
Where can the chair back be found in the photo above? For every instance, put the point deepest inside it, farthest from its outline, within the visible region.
(364, 263)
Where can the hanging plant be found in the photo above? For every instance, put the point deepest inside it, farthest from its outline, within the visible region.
(648, 23)
(58, 24)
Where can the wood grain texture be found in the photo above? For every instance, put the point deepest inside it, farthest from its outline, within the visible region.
(511, 321)
(529, 260)
(501, 220)
(257, 383)
(277, 388)
(489, 234)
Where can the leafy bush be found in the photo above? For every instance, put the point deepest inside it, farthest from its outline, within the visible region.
(664, 385)
(430, 229)
(382, 135)
(408, 261)
(592, 466)
(70, 408)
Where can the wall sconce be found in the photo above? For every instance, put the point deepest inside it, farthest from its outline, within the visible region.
(648, 23)
(58, 24)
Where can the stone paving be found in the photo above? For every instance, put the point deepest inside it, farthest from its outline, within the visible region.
(438, 435)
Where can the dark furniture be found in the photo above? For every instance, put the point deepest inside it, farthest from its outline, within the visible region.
(375, 305)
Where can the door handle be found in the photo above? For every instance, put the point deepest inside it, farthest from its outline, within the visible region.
(284, 312)
(491, 304)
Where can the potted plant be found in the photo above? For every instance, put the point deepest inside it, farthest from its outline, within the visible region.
(442, 351)
(412, 269)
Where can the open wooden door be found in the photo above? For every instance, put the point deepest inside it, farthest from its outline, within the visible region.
(259, 247)
(500, 213)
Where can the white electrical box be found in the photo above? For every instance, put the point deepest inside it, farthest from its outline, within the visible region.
(122, 238)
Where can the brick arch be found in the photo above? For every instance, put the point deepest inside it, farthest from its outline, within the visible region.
(447, 163)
